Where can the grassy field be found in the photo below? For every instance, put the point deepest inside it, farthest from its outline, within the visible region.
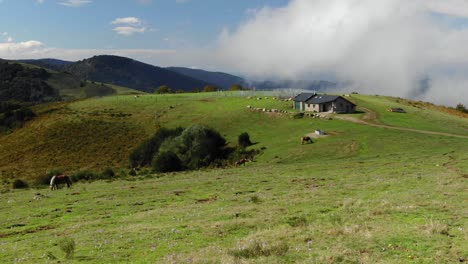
(360, 195)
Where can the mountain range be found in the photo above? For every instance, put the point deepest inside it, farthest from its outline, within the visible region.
(144, 77)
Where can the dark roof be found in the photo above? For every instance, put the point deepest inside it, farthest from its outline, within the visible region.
(304, 97)
(321, 99)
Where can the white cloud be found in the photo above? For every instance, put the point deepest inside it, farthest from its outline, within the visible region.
(384, 46)
(129, 26)
(127, 31)
(127, 20)
(449, 7)
(11, 49)
(75, 3)
(40, 1)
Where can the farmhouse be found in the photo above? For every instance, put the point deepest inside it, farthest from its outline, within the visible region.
(323, 103)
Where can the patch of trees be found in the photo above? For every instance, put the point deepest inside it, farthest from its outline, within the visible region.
(461, 108)
(191, 148)
(210, 88)
(14, 115)
(23, 84)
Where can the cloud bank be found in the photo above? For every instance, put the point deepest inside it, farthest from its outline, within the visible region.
(385, 47)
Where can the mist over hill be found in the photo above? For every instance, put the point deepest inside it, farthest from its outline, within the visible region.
(220, 79)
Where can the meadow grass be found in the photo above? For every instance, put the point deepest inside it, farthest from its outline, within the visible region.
(361, 195)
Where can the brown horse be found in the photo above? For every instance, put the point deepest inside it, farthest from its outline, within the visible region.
(59, 179)
(241, 162)
(305, 139)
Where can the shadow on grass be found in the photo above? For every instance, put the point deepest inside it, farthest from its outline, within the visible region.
(84, 258)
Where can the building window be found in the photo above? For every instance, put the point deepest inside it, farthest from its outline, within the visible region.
(308, 105)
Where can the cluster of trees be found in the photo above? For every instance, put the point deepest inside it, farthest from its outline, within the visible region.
(23, 84)
(13, 115)
(461, 108)
(180, 149)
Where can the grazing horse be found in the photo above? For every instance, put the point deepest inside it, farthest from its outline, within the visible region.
(59, 179)
(241, 162)
(305, 139)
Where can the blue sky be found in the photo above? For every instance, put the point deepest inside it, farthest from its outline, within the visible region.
(382, 46)
(163, 24)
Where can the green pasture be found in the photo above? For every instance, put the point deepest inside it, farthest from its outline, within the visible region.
(360, 195)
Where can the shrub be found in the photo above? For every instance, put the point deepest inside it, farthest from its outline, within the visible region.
(67, 245)
(144, 153)
(210, 88)
(298, 115)
(461, 108)
(108, 173)
(166, 162)
(236, 87)
(244, 140)
(163, 89)
(20, 184)
(84, 175)
(198, 146)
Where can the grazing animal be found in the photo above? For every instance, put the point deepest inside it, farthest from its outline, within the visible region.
(241, 162)
(305, 139)
(59, 179)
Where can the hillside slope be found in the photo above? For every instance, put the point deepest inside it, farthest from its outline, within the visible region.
(220, 79)
(361, 194)
(101, 132)
(130, 73)
(53, 64)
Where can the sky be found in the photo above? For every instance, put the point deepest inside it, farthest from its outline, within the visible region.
(383, 47)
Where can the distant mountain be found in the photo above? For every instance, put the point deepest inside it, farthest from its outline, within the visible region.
(53, 64)
(131, 73)
(220, 79)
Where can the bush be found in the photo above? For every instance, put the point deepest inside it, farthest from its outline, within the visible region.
(198, 146)
(143, 154)
(461, 108)
(210, 88)
(84, 175)
(298, 115)
(67, 245)
(236, 87)
(108, 173)
(163, 89)
(20, 184)
(244, 140)
(166, 162)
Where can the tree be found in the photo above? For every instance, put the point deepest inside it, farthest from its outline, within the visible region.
(210, 88)
(461, 108)
(244, 140)
(163, 89)
(198, 146)
(236, 87)
(166, 162)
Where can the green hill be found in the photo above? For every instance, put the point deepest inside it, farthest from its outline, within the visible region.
(131, 73)
(377, 189)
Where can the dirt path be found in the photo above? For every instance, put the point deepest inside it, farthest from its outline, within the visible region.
(371, 116)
